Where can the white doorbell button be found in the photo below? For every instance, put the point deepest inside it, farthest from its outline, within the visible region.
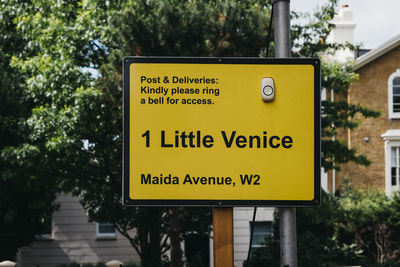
(267, 89)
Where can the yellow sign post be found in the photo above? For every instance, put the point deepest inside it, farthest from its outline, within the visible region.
(221, 131)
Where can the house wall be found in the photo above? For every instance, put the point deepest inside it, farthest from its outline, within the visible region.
(241, 230)
(74, 240)
(371, 90)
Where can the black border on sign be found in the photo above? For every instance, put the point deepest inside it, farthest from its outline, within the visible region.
(127, 61)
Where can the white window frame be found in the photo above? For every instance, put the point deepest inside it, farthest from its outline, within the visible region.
(391, 113)
(392, 140)
(105, 235)
(395, 187)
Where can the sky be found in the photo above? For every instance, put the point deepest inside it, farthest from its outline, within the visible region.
(377, 20)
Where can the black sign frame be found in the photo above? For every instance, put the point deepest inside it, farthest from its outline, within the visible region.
(126, 200)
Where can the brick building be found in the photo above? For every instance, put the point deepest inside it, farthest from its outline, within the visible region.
(378, 138)
(378, 88)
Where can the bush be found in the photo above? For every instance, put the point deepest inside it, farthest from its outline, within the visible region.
(317, 240)
(353, 228)
(388, 263)
(371, 219)
(99, 264)
(131, 264)
(72, 264)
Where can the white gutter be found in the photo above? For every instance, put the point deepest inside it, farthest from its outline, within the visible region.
(377, 52)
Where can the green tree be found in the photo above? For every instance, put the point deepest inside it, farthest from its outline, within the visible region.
(27, 190)
(319, 242)
(309, 40)
(166, 28)
(371, 220)
(70, 67)
(354, 228)
(75, 118)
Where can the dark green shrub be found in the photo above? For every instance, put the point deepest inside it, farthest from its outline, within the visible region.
(72, 264)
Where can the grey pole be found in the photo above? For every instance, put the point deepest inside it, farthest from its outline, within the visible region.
(287, 235)
(287, 216)
(282, 27)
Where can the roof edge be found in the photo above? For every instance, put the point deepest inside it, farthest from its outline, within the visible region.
(377, 52)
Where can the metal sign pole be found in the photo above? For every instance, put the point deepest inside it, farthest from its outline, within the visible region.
(287, 216)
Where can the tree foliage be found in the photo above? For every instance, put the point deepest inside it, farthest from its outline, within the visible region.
(338, 115)
(353, 228)
(309, 39)
(74, 120)
(371, 219)
(318, 243)
(190, 28)
(27, 190)
(62, 89)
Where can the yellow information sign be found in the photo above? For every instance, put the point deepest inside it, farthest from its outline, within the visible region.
(221, 131)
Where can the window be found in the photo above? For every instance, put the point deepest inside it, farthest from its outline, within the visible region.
(262, 230)
(394, 95)
(105, 231)
(394, 168)
(392, 160)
